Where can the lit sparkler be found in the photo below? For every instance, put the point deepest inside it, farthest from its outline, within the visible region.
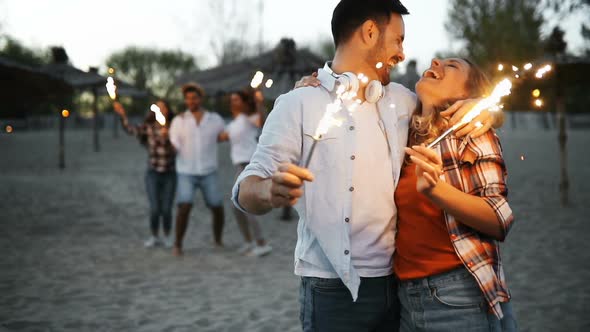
(257, 79)
(491, 102)
(111, 88)
(159, 116)
(269, 83)
(544, 70)
(500, 67)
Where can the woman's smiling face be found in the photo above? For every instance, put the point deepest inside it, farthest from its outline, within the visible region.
(444, 81)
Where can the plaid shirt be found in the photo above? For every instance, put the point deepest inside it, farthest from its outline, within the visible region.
(160, 151)
(485, 177)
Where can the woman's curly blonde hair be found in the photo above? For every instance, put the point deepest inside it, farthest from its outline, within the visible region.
(425, 129)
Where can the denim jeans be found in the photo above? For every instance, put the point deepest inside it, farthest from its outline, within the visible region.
(326, 305)
(160, 187)
(451, 302)
(208, 184)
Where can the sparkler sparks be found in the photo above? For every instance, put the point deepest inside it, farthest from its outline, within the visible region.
(257, 79)
(379, 65)
(544, 70)
(65, 113)
(269, 83)
(500, 67)
(514, 68)
(536, 93)
(491, 102)
(528, 66)
(539, 103)
(8, 129)
(111, 88)
(159, 116)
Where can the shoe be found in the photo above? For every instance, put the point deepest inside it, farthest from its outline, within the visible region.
(168, 242)
(151, 242)
(246, 248)
(260, 251)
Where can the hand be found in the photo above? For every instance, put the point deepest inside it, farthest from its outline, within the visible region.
(428, 167)
(477, 127)
(308, 81)
(286, 186)
(118, 108)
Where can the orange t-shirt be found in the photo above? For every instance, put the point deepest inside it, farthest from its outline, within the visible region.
(423, 244)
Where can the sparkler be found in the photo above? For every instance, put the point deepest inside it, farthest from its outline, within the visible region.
(159, 116)
(269, 83)
(544, 70)
(111, 88)
(491, 102)
(326, 122)
(257, 79)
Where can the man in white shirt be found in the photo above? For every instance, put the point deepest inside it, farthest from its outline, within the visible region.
(346, 231)
(195, 134)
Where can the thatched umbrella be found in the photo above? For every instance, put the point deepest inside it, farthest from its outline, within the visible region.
(569, 71)
(87, 81)
(284, 65)
(22, 87)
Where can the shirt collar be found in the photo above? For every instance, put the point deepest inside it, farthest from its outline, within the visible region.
(327, 77)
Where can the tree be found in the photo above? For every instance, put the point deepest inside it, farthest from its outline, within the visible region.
(13, 49)
(151, 69)
(231, 28)
(497, 30)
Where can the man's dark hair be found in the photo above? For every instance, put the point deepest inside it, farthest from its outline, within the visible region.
(351, 14)
(193, 87)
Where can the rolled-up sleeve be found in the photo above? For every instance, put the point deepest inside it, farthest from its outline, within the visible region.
(175, 132)
(280, 141)
(488, 178)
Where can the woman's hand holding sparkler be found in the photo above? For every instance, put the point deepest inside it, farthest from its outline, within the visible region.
(286, 184)
(428, 168)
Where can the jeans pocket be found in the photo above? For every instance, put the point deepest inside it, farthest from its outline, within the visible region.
(327, 285)
(460, 294)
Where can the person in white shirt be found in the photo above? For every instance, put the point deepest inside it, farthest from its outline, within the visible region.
(195, 134)
(243, 132)
(347, 225)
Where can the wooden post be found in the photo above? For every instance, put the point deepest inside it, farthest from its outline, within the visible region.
(62, 150)
(95, 120)
(562, 138)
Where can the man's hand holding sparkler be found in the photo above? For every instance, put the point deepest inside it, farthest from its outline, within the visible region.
(286, 185)
(479, 125)
(284, 188)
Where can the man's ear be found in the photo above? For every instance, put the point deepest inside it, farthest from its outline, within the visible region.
(370, 33)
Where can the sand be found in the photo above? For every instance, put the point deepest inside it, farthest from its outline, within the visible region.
(73, 259)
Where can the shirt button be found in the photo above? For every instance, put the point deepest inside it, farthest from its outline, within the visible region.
(351, 127)
(346, 219)
(453, 236)
(352, 157)
(470, 264)
(346, 252)
(351, 189)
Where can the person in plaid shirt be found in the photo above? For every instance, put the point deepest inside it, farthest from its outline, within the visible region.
(452, 212)
(160, 177)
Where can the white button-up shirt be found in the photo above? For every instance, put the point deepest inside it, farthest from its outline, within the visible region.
(323, 232)
(196, 145)
(243, 136)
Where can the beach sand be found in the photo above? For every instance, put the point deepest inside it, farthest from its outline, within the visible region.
(73, 257)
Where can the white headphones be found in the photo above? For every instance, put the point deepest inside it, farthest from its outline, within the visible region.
(349, 82)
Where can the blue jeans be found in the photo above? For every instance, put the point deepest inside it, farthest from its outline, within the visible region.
(451, 302)
(209, 185)
(326, 305)
(160, 187)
